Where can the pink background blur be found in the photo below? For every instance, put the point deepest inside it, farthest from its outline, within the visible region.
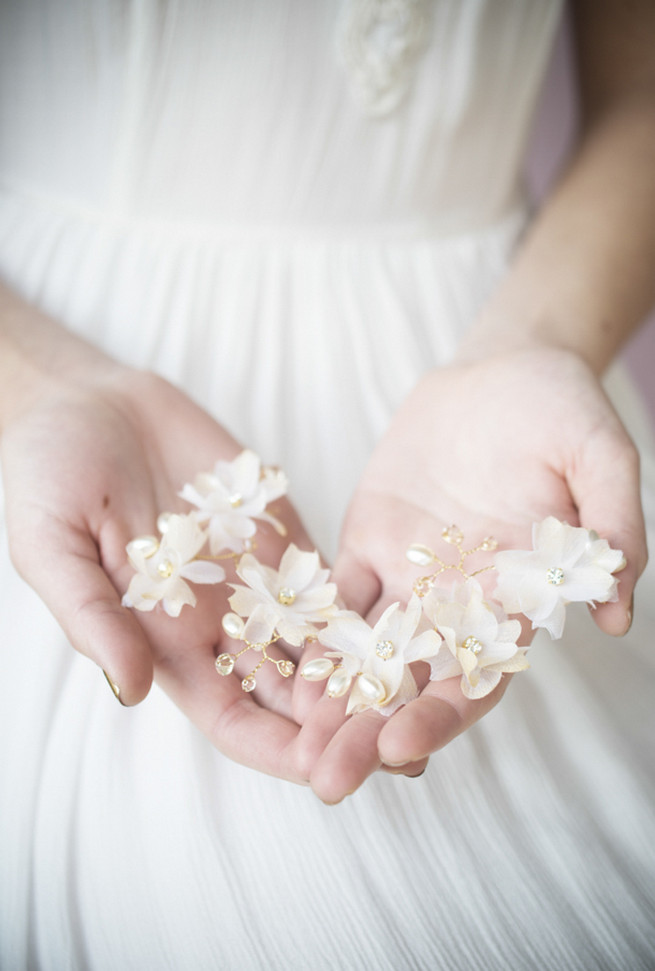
(553, 132)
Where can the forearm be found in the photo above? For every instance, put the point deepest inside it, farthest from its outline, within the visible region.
(584, 277)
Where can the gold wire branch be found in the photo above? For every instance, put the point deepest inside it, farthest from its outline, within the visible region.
(225, 662)
(422, 555)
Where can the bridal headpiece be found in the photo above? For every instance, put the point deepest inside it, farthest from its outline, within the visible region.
(450, 621)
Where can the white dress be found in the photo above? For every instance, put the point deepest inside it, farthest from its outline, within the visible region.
(293, 219)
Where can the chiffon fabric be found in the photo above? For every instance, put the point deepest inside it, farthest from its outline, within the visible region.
(293, 217)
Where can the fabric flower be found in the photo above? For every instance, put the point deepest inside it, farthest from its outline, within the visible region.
(290, 600)
(162, 568)
(479, 642)
(232, 496)
(568, 563)
(375, 660)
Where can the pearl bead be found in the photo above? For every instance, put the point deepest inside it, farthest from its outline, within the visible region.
(162, 521)
(372, 688)
(286, 596)
(339, 683)
(233, 626)
(420, 555)
(318, 669)
(148, 545)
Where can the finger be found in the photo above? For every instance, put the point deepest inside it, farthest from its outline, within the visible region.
(62, 564)
(307, 694)
(605, 486)
(349, 758)
(357, 582)
(229, 717)
(272, 689)
(411, 770)
(432, 720)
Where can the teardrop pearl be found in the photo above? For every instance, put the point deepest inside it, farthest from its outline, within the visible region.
(339, 683)
(233, 626)
(318, 669)
(420, 555)
(372, 688)
(162, 521)
(148, 545)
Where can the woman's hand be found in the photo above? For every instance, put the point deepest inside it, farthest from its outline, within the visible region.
(493, 447)
(89, 461)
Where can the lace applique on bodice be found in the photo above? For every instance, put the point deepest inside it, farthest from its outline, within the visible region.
(380, 42)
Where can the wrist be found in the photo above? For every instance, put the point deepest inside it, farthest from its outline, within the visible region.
(498, 332)
(40, 358)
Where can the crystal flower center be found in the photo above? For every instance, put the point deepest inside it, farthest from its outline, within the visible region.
(286, 596)
(555, 576)
(472, 644)
(384, 649)
(235, 500)
(165, 569)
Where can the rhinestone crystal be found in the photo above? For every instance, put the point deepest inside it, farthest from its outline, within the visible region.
(165, 569)
(384, 649)
(452, 534)
(225, 664)
(249, 683)
(286, 668)
(488, 543)
(555, 576)
(472, 644)
(286, 596)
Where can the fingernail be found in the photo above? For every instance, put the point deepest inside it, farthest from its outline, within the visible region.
(628, 614)
(114, 687)
(417, 776)
(397, 765)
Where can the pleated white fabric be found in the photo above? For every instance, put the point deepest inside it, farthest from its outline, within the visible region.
(196, 188)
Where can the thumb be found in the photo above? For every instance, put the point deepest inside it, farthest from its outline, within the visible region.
(605, 487)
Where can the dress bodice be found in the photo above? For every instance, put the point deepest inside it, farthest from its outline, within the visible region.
(251, 114)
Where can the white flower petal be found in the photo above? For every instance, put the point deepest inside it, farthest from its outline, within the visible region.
(202, 571)
(298, 568)
(261, 623)
(178, 595)
(486, 683)
(245, 601)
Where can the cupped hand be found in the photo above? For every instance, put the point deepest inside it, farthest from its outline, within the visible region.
(88, 464)
(493, 447)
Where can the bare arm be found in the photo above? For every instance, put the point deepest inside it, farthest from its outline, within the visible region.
(584, 277)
